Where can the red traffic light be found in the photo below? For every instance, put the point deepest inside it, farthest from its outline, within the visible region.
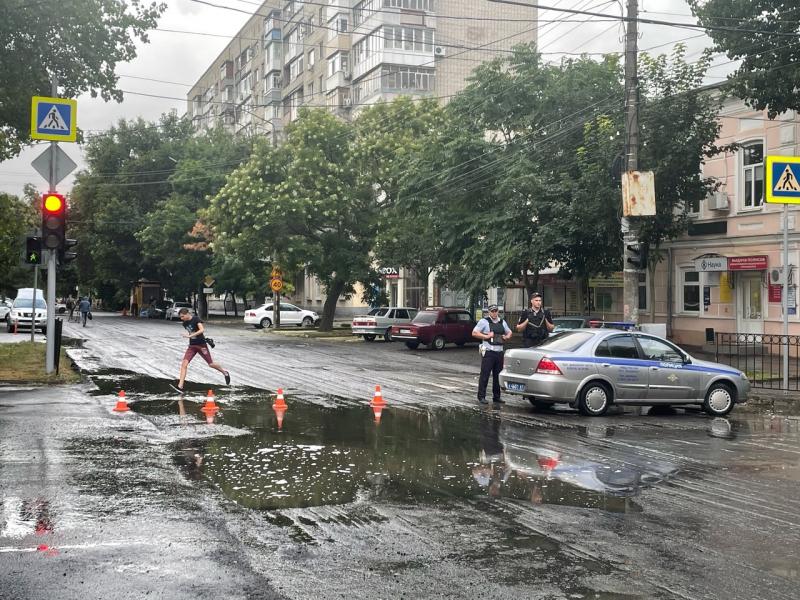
(54, 220)
(54, 203)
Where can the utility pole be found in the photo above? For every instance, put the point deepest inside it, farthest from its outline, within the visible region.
(630, 274)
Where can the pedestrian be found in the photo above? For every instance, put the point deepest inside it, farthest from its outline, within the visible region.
(195, 331)
(85, 308)
(535, 323)
(70, 304)
(493, 331)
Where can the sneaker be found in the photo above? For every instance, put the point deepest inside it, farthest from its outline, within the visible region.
(227, 378)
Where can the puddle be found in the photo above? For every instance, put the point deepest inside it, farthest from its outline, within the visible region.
(332, 452)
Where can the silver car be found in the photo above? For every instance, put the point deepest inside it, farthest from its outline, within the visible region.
(590, 369)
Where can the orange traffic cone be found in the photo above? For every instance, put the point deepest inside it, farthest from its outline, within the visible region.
(377, 398)
(279, 412)
(16, 325)
(279, 401)
(210, 405)
(122, 404)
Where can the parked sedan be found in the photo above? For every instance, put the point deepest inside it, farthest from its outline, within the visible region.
(261, 317)
(436, 327)
(590, 369)
(379, 321)
(5, 309)
(171, 314)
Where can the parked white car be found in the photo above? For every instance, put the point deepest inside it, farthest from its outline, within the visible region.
(261, 317)
(379, 321)
(22, 314)
(172, 311)
(5, 308)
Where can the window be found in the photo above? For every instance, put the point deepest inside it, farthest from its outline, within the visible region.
(312, 58)
(657, 350)
(401, 313)
(620, 346)
(753, 174)
(690, 282)
(408, 38)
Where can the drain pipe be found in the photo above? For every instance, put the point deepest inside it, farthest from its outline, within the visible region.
(670, 298)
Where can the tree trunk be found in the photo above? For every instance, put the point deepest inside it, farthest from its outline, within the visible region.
(329, 309)
(235, 305)
(225, 303)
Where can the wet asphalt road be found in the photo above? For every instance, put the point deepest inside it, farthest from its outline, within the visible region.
(440, 499)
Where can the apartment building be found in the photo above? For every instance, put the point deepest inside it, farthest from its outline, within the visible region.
(343, 55)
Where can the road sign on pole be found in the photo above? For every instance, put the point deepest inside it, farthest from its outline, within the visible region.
(54, 119)
(64, 164)
(276, 284)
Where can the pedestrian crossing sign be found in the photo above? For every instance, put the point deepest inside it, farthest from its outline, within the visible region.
(53, 119)
(783, 179)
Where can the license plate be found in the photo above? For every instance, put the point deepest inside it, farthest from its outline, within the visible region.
(515, 387)
(405, 331)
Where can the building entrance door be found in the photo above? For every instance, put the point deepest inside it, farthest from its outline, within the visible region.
(750, 303)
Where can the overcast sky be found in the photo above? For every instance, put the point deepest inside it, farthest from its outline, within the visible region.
(177, 60)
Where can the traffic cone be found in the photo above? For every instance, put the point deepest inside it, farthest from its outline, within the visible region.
(210, 405)
(279, 412)
(122, 404)
(377, 398)
(279, 401)
(16, 325)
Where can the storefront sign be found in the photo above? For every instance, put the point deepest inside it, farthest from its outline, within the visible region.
(775, 293)
(607, 282)
(389, 272)
(715, 263)
(747, 263)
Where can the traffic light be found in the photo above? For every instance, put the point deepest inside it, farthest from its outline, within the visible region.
(54, 220)
(33, 250)
(63, 255)
(638, 255)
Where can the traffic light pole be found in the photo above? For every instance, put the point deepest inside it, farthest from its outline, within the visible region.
(50, 350)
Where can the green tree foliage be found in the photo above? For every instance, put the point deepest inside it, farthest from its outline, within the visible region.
(302, 207)
(79, 41)
(763, 35)
(18, 218)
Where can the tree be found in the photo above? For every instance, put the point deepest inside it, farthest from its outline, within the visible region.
(302, 207)
(763, 35)
(19, 217)
(80, 42)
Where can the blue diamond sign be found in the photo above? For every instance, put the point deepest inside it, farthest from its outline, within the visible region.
(53, 119)
(783, 179)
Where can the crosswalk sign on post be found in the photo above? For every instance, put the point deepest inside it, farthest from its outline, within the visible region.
(54, 119)
(783, 179)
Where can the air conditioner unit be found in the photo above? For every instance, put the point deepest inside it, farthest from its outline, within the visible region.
(439, 51)
(776, 276)
(347, 75)
(347, 102)
(717, 201)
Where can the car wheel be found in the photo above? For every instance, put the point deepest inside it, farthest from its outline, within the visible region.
(594, 399)
(388, 335)
(719, 400)
(266, 323)
(438, 342)
(369, 337)
(412, 345)
(308, 322)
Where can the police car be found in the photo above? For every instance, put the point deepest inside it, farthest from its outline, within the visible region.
(591, 369)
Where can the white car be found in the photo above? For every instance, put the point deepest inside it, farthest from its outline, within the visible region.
(172, 311)
(5, 308)
(22, 314)
(261, 317)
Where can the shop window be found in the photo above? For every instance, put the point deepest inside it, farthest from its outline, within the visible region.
(690, 291)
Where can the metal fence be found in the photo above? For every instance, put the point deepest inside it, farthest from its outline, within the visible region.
(760, 356)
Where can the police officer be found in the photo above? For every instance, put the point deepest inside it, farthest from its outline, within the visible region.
(535, 323)
(492, 331)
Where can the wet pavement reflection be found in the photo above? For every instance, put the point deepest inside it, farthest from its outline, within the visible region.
(311, 455)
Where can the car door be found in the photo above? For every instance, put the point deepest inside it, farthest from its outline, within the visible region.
(465, 327)
(621, 363)
(290, 314)
(667, 378)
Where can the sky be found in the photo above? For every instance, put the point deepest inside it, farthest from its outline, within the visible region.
(172, 62)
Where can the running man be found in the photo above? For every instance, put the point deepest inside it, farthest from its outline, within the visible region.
(197, 345)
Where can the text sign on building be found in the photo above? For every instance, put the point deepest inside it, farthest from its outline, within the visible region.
(783, 179)
(715, 263)
(389, 272)
(54, 119)
(747, 263)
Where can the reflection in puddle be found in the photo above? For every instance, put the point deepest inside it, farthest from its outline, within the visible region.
(313, 455)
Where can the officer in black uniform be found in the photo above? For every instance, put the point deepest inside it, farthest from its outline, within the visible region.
(535, 323)
(493, 331)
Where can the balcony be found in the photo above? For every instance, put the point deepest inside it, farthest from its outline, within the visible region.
(338, 80)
